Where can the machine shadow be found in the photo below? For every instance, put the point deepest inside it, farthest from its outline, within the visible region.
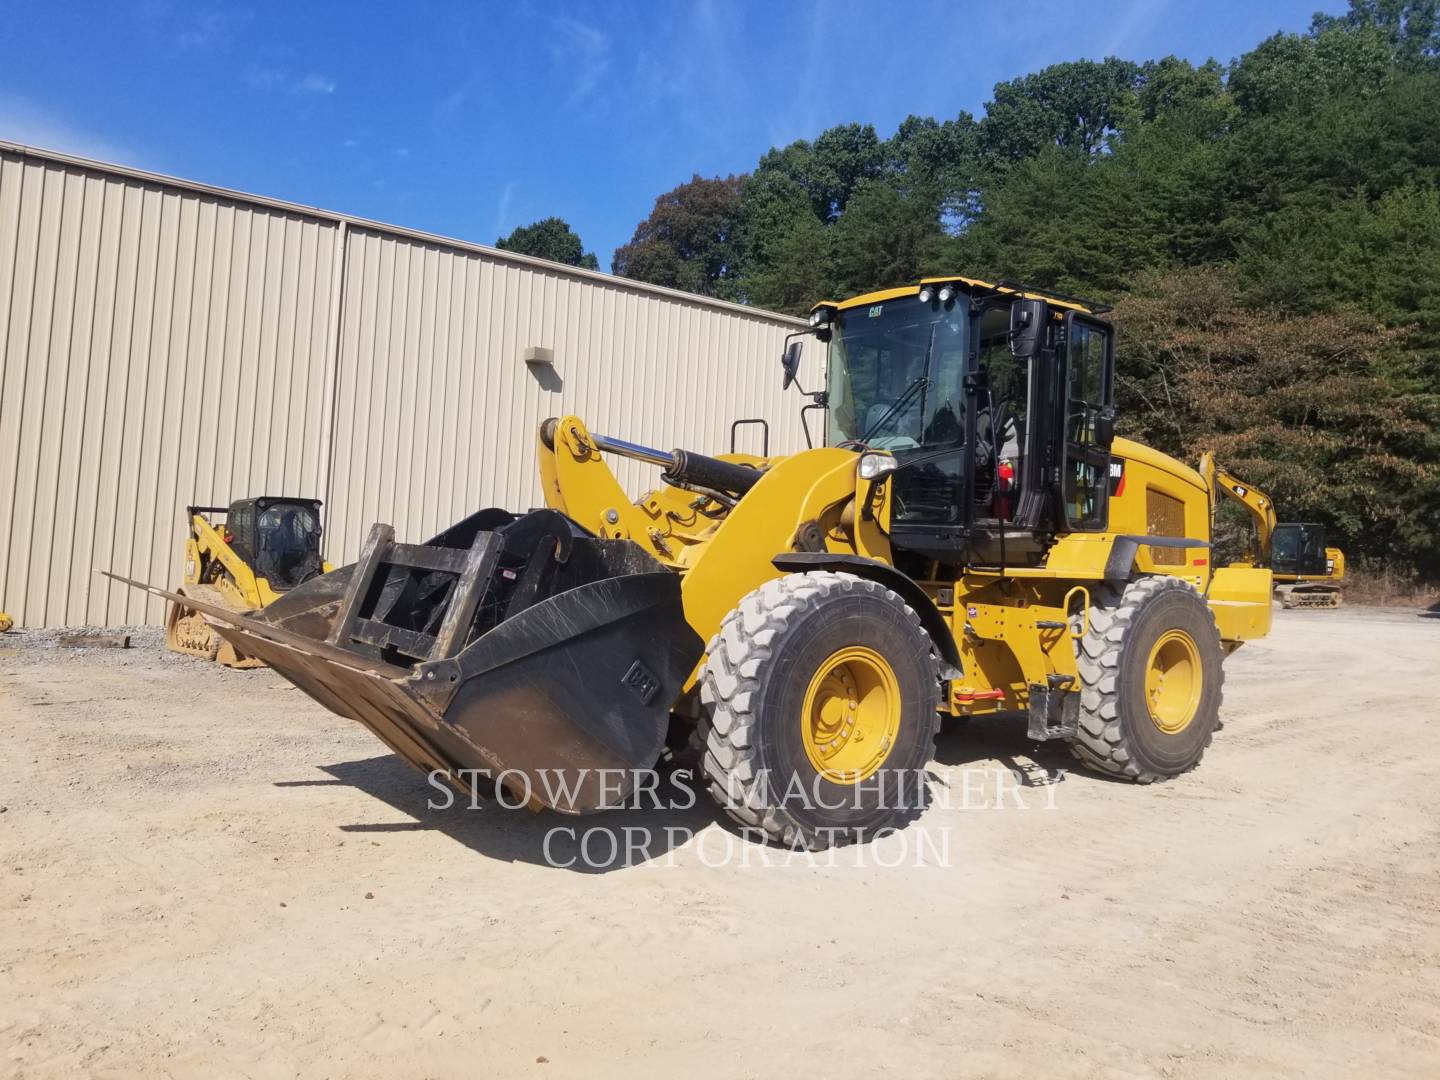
(590, 844)
(628, 837)
(1003, 739)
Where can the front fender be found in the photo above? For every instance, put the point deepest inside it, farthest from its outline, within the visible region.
(883, 574)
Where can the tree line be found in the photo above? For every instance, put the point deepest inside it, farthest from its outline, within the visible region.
(1268, 231)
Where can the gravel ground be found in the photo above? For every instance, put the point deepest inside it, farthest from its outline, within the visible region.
(203, 872)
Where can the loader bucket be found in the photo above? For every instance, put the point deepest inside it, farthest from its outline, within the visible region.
(520, 647)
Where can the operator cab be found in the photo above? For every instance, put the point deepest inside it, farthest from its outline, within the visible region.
(1297, 549)
(996, 403)
(278, 537)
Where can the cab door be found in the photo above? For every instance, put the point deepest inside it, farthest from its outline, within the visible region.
(1087, 419)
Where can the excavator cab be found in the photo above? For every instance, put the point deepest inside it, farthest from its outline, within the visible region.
(1298, 549)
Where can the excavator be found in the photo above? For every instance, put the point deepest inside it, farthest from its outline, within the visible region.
(1305, 571)
(1308, 574)
(969, 537)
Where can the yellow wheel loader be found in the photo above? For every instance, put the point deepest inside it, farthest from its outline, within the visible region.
(253, 552)
(1307, 573)
(970, 538)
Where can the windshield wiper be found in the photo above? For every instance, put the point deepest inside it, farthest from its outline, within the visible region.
(920, 383)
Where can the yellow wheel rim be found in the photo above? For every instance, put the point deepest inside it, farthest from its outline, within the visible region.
(851, 716)
(1173, 682)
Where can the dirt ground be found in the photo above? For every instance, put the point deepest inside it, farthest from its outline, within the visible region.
(201, 871)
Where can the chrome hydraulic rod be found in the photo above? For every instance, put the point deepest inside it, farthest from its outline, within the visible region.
(686, 466)
(664, 458)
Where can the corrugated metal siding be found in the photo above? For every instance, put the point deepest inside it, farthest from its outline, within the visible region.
(165, 343)
(437, 410)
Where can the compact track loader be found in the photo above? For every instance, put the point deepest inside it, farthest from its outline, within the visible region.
(243, 561)
(1307, 573)
(971, 538)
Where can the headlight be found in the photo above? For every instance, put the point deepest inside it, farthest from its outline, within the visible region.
(926, 294)
(947, 293)
(874, 465)
(820, 317)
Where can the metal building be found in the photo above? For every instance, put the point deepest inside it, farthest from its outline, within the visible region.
(164, 343)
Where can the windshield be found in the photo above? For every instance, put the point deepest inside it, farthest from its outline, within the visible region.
(1285, 544)
(895, 373)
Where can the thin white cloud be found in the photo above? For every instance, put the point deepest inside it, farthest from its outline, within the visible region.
(210, 30)
(448, 107)
(315, 83)
(1138, 19)
(802, 115)
(261, 77)
(23, 122)
(264, 78)
(582, 49)
(502, 212)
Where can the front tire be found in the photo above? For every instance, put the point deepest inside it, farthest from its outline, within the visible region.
(1151, 681)
(819, 710)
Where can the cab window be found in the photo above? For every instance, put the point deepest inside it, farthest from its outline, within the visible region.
(1087, 392)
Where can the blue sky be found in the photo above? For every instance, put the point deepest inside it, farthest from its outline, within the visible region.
(471, 119)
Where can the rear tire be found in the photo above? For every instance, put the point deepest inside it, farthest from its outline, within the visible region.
(819, 710)
(1151, 681)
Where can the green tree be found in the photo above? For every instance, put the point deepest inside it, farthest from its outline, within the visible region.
(1290, 71)
(1411, 27)
(1299, 404)
(883, 237)
(550, 238)
(782, 246)
(940, 162)
(689, 240)
(797, 269)
(1171, 85)
(1077, 105)
(830, 168)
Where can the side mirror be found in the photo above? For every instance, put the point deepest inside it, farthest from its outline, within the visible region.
(790, 363)
(1027, 327)
(1105, 428)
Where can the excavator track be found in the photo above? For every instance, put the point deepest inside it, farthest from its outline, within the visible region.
(1311, 596)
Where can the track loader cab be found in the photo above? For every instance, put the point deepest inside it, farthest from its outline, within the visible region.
(279, 538)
